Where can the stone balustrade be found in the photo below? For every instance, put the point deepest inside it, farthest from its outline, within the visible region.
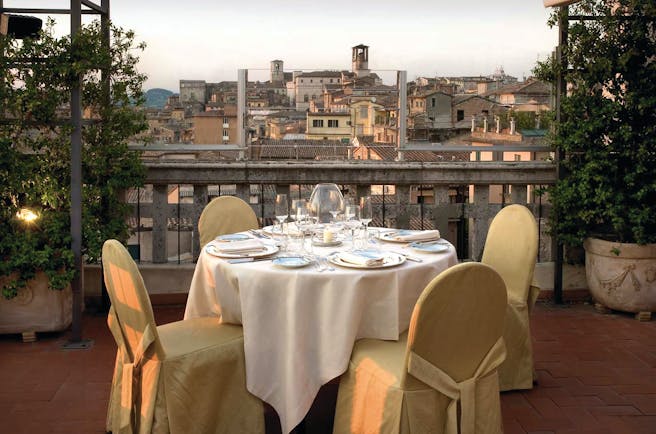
(459, 198)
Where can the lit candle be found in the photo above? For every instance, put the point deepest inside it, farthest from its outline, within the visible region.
(327, 235)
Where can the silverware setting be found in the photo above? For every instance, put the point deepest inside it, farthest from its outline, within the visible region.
(249, 259)
(409, 257)
(258, 234)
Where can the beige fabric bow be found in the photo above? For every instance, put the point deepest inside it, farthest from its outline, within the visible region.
(129, 366)
(464, 391)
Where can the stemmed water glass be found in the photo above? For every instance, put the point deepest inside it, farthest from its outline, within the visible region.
(301, 219)
(352, 221)
(281, 209)
(366, 214)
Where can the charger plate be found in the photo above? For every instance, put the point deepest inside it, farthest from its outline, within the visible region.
(390, 260)
(391, 236)
(216, 251)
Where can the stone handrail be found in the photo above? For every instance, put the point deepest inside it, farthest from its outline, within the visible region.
(398, 210)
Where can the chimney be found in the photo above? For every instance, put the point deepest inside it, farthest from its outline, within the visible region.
(473, 127)
(497, 119)
(512, 125)
(485, 124)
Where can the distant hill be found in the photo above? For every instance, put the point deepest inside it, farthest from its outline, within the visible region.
(156, 98)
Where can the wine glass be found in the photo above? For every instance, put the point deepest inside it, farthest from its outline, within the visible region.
(326, 200)
(281, 209)
(352, 220)
(366, 215)
(300, 218)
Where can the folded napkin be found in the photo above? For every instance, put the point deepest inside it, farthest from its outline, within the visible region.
(418, 236)
(246, 246)
(362, 257)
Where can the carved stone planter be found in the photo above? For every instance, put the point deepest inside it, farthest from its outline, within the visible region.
(622, 276)
(37, 308)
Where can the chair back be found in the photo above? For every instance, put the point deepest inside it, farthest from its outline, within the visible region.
(225, 215)
(130, 301)
(511, 248)
(458, 318)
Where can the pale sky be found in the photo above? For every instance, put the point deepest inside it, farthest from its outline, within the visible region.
(211, 39)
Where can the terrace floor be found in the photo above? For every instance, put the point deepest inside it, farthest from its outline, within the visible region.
(596, 374)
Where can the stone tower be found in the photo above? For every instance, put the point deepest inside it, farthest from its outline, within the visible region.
(277, 73)
(360, 60)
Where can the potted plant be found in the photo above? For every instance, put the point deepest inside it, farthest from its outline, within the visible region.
(606, 200)
(35, 246)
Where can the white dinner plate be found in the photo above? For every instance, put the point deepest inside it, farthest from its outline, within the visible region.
(391, 236)
(233, 237)
(430, 247)
(292, 261)
(215, 251)
(390, 260)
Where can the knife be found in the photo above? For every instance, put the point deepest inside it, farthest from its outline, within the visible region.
(248, 259)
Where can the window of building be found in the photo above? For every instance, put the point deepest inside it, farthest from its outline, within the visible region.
(485, 112)
(321, 81)
(460, 115)
(333, 123)
(317, 123)
(311, 81)
(331, 80)
(364, 112)
(301, 80)
(314, 97)
(432, 102)
(306, 98)
(225, 120)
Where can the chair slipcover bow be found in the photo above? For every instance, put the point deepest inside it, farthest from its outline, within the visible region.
(463, 391)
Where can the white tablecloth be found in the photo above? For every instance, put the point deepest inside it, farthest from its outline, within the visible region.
(300, 324)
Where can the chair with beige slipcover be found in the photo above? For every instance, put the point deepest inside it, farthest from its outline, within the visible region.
(445, 362)
(511, 249)
(183, 377)
(225, 215)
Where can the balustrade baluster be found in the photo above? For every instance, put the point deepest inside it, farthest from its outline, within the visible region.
(402, 206)
(160, 223)
(201, 198)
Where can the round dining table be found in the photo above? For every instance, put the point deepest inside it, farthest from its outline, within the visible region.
(300, 324)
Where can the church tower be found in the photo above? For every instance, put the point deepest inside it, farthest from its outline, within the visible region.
(360, 60)
(277, 73)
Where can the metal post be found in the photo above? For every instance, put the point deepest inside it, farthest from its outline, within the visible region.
(402, 86)
(76, 186)
(242, 81)
(561, 92)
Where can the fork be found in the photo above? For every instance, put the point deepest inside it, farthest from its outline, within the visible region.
(258, 234)
(322, 265)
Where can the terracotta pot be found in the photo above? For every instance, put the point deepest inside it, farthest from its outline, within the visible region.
(36, 308)
(621, 276)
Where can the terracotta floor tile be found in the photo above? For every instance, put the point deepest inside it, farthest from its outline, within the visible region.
(645, 403)
(512, 427)
(596, 374)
